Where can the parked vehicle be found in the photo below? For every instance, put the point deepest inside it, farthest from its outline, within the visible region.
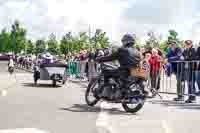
(4, 57)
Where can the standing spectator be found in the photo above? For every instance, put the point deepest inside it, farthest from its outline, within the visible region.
(91, 65)
(83, 61)
(146, 67)
(174, 54)
(198, 69)
(155, 65)
(145, 62)
(189, 55)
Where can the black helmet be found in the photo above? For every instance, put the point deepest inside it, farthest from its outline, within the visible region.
(128, 40)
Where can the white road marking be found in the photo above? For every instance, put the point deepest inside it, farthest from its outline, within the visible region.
(23, 130)
(115, 124)
(3, 92)
(102, 122)
(165, 126)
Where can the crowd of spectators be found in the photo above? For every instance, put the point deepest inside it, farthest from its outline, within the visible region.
(183, 62)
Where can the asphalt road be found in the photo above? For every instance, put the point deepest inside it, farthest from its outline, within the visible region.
(55, 110)
(26, 108)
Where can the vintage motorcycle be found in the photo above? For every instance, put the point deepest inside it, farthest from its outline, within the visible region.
(132, 99)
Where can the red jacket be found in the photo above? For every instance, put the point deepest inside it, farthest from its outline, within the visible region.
(155, 63)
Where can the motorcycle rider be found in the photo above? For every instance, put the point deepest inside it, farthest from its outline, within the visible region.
(128, 57)
(11, 65)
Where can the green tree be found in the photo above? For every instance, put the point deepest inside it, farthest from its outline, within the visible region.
(80, 42)
(66, 44)
(164, 46)
(53, 44)
(40, 46)
(100, 40)
(5, 41)
(18, 35)
(30, 48)
(137, 42)
(153, 41)
(173, 36)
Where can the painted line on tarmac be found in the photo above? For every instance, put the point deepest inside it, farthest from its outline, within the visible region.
(4, 91)
(23, 130)
(102, 122)
(165, 126)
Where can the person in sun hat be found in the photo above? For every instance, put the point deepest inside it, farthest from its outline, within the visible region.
(47, 58)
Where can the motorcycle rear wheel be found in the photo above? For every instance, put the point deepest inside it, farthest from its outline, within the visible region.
(135, 109)
(138, 103)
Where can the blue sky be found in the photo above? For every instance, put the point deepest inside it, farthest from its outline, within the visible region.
(116, 17)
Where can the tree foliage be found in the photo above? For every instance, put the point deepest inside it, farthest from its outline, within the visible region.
(16, 41)
(5, 41)
(18, 35)
(40, 46)
(52, 43)
(153, 40)
(66, 43)
(100, 40)
(30, 48)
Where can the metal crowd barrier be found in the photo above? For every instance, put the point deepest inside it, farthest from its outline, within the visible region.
(82, 69)
(180, 78)
(160, 81)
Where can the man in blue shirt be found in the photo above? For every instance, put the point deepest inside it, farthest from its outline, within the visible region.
(174, 56)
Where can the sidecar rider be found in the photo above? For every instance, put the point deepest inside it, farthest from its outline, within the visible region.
(128, 57)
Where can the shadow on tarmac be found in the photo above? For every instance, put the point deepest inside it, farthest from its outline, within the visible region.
(40, 85)
(180, 105)
(85, 108)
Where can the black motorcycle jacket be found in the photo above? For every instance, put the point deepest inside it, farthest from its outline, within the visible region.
(128, 57)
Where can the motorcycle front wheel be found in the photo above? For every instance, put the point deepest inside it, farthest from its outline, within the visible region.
(90, 97)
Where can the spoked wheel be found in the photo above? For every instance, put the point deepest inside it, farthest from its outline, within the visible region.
(135, 100)
(90, 97)
(134, 106)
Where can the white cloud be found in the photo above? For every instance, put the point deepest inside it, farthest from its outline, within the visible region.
(116, 17)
